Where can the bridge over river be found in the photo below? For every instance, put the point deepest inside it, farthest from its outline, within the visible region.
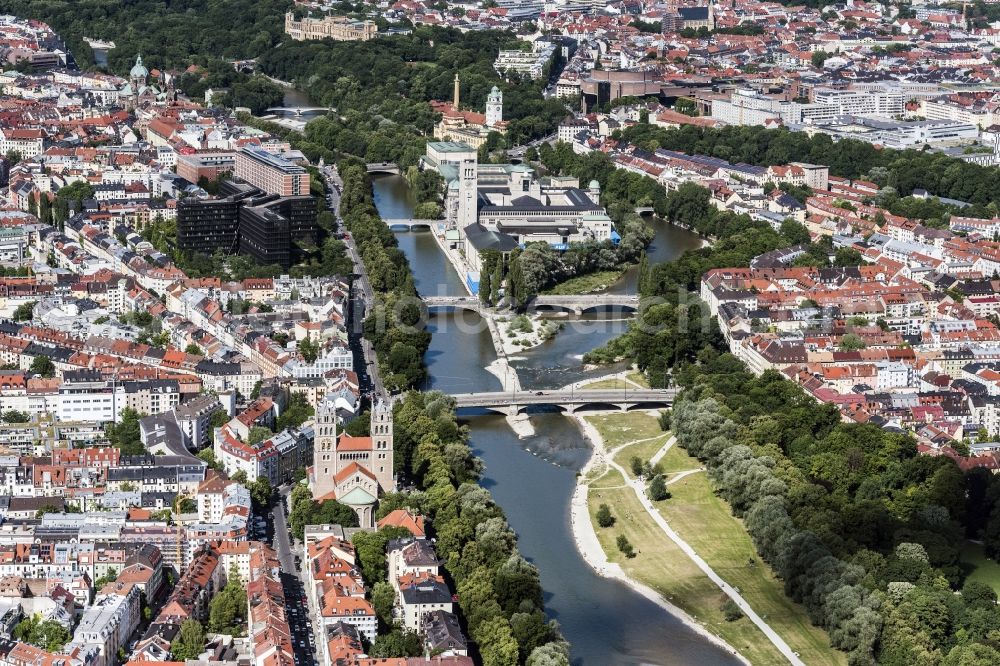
(298, 110)
(512, 403)
(575, 304)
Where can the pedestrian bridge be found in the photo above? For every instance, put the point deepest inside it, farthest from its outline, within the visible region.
(298, 110)
(512, 403)
(383, 167)
(575, 304)
(408, 225)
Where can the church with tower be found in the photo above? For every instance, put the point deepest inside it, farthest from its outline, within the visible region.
(353, 470)
(469, 127)
(140, 91)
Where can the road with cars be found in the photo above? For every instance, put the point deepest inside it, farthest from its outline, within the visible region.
(296, 605)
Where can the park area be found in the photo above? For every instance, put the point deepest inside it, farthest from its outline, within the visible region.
(979, 568)
(704, 521)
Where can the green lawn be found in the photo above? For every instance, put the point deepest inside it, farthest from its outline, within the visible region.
(661, 565)
(585, 284)
(705, 522)
(613, 383)
(624, 427)
(639, 379)
(644, 451)
(676, 459)
(631, 381)
(986, 571)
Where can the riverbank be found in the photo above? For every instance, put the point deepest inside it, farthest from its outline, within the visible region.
(593, 553)
(456, 258)
(703, 554)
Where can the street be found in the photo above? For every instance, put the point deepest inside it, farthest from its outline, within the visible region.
(296, 607)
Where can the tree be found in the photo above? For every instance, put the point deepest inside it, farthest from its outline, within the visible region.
(220, 417)
(819, 57)
(550, 654)
(15, 416)
(308, 349)
(370, 549)
(329, 512)
(383, 597)
(208, 456)
(190, 641)
(604, 517)
(852, 342)
(625, 546)
(43, 366)
(428, 210)
(48, 635)
(657, 490)
(227, 612)
(109, 577)
(258, 434)
(978, 594)
(397, 643)
(295, 414)
(47, 508)
(125, 435)
(730, 610)
(531, 630)
(24, 311)
(261, 492)
(194, 349)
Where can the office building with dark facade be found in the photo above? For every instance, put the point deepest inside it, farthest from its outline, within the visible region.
(267, 227)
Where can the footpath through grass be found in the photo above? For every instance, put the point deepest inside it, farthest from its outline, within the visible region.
(661, 565)
(705, 522)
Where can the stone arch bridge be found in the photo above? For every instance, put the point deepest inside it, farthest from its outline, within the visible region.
(511, 403)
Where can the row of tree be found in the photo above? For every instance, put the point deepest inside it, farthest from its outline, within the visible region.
(903, 170)
(394, 324)
(864, 532)
(499, 592)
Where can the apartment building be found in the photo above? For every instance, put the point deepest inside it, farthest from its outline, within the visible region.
(109, 622)
(208, 165)
(271, 174)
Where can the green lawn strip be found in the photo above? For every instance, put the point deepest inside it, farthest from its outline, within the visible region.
(985, 571)
(705, 522)
(644, 450)
(639, 379)
(661, 565)
(585, 284)
(632, 380)
(676, 459)
(624, 427)
(606, 384)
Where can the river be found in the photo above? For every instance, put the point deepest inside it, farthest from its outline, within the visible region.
(533, 479)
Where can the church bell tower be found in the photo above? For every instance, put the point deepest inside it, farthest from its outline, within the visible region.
(381, 434)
